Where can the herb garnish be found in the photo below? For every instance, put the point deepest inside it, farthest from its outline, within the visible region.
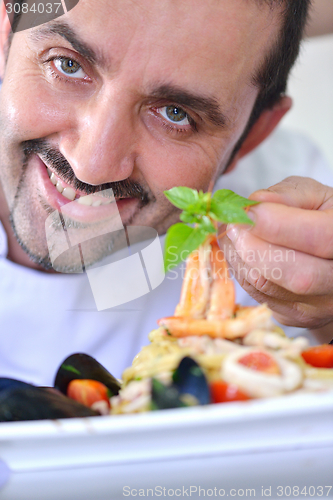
(203, 210)
(70, 368)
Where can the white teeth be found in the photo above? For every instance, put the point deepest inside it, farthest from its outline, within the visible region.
(53, 179)
(69, 193)
(59, 187)
(86, 200)
(91, 201)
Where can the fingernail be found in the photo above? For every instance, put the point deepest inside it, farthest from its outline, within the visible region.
(252, 215)
(221, 230)
(233, 233)
(254, 274)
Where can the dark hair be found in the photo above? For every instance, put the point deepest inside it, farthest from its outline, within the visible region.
(271, 78)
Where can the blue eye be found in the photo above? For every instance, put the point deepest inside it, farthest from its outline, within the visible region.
(175, 114)
(69, 67)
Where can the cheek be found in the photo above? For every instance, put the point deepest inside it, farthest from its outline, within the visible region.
(166, 167)
(166, 162)
(31, 111)
(29, 103)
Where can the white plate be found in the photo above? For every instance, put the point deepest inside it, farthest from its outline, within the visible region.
(258, 445)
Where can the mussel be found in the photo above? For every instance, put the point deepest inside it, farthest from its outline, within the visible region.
(189, 387)
(190, 379)
(10, 383)
(21, 401)
(82, 366)
(164, 397)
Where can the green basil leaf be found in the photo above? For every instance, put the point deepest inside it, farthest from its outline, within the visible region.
(228, 196)
(212, 215)
(206, 225)
(198, 208)
(204, 197)
(229, 213)
(201, 209)
(182, 197)
(180, 241)
(189, 218)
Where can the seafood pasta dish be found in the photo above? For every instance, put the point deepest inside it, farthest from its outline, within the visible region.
(213, 350)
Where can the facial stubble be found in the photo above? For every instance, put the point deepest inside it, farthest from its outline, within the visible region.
(33, 240)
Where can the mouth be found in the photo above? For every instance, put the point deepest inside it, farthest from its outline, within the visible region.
(90, 200)
(79, 206)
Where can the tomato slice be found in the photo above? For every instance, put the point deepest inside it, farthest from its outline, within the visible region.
(260, 361)
(320, 356)
(221, 392)
(87, 391)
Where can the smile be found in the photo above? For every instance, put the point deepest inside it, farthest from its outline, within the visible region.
(72, 195)
(77, 205)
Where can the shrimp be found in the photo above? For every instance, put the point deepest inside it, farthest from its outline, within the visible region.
(232, 328)
(222, 297)
(196, 285)
(207, 292)
(207, 304)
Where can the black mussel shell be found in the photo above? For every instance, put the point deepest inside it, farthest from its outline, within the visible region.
(10, 383)
(22, 401)
(189, 388)
(164, 397)
(82, 366)
(190, 379)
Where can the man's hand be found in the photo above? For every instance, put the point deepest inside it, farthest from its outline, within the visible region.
(286, 259)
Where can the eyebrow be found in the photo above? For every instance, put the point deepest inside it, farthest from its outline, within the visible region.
(207, 106)
(63, 29)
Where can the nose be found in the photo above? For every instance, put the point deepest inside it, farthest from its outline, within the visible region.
(99, 142)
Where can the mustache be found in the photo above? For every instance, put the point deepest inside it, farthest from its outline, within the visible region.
(121, 189)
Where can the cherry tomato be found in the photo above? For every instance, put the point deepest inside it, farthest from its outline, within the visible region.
(320, 356)
(221, 392)
(87, 392)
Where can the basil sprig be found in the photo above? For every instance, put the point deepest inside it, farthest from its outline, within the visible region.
(203, 211)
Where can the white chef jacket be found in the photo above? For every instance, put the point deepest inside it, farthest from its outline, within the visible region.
(46, 317)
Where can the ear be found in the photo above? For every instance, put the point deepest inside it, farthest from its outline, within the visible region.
(5, 29)
(262, 128)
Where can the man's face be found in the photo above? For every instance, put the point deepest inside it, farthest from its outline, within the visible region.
(138, 96)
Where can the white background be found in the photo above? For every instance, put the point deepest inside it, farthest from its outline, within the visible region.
(311, 87)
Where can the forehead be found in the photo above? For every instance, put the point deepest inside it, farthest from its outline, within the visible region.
(215, 44)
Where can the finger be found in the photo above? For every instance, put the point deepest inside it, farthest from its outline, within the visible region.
(297, 272)
(252, 280)
(301, 192)
(290, 309)
(300, 314)
(309, 231)
(250, 275)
